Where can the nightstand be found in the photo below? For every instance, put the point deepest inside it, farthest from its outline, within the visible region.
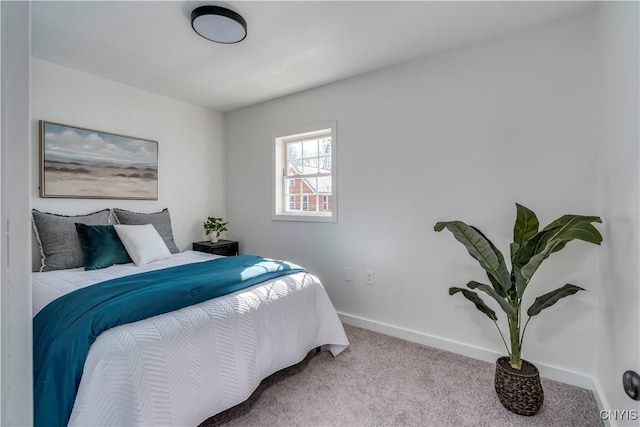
(221, 247)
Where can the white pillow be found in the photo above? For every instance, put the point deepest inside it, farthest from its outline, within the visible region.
(142, 242)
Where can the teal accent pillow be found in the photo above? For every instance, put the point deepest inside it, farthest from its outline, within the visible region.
(101, 246)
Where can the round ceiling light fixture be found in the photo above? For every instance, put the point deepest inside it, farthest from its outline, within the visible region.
(219, 24)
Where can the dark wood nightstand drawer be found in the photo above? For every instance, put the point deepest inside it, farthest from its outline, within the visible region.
(221, 247)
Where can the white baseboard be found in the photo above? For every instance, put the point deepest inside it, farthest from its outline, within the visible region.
(546, 371)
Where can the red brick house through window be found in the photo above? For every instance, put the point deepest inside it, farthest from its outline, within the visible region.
(308, 194)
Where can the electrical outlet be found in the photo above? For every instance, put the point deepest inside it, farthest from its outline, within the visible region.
(348, 274)
(370, 277)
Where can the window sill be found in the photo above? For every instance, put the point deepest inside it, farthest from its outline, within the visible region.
(304, 218)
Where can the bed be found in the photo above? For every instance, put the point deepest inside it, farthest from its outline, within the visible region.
(184, 366)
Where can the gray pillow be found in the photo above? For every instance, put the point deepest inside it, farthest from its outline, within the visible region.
(160, 220)
(58, 240)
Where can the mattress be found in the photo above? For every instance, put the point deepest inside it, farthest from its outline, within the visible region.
(182, 367)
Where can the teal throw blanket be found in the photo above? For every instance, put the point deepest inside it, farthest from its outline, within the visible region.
(64, 329)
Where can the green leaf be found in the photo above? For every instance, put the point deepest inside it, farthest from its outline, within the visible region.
(548, 299)
(514, 248)
(480, 248)
(568, 219)
(530, 248)
(559, 233)
(474, 298)
(493, 294)
(526, 225)
(496, 285)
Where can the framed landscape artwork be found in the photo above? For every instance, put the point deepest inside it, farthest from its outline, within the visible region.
(85, 163)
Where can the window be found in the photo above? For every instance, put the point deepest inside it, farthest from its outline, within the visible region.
(305, 174)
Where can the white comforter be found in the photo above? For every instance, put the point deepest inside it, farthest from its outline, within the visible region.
(182, 367)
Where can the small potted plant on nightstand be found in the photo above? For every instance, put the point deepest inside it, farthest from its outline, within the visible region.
(213, 226)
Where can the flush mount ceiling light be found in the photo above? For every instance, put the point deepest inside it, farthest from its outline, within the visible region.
(218, 24)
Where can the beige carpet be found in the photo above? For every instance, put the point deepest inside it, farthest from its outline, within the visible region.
(385, 381)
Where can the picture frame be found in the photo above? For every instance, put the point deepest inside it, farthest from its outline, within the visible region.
(83, 163)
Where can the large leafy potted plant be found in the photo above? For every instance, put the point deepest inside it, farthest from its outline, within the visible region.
(517, 381)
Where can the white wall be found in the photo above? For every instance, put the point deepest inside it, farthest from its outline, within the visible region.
(618, 187)
(190, 141)
(463, 134)
(15, 296)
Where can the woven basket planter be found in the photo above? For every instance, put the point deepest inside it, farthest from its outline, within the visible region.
(518, 391)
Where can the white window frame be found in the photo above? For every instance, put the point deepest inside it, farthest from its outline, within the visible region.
(280, 180)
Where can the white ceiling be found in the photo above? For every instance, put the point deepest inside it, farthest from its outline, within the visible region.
(290, 46)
